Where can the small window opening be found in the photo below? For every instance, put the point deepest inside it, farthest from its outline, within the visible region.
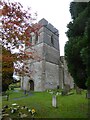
(36, 39)
(31, 39)
(52, 40)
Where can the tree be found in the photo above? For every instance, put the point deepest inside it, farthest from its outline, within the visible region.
(7, 68)
(17, 26)
(76, 49)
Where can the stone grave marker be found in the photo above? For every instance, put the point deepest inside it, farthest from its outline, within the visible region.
(66, 89)
(78, 90)
(54, 101)
(88, 94)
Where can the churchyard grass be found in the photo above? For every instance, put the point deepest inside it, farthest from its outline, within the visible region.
(71, 106)
(0, 102)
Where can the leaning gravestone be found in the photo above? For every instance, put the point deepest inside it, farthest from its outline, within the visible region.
(66, 89)
(78, 90)
(54, 101)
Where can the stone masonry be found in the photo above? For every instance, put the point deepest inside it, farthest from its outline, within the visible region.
(48, 73)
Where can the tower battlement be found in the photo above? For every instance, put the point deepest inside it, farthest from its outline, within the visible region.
(48, 25)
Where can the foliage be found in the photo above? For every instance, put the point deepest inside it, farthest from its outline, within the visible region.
(77, 8)
(18, 25)
(7, 68)
(76, 49)
(17, 111)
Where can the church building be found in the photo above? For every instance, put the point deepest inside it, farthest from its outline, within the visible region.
(48, 72)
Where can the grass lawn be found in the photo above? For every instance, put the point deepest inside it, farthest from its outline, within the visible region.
(71, 106)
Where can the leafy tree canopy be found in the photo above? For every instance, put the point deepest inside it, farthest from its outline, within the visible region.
(7, 68)
(76, 48)
(17, 27)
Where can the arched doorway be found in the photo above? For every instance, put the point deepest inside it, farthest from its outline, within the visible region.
(31, 85)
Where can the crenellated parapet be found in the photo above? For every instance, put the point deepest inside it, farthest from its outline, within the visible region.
(48, 25)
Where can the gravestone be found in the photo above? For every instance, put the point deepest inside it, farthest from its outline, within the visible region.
(54, 101)
(66, 89)
(88, 94)
(78, 90)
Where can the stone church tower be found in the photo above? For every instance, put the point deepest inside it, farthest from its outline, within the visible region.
(46, 75)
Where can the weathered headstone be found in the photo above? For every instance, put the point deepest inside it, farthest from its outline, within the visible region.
(78, 90)
(88, 94)
(66, 89)
(54, 101)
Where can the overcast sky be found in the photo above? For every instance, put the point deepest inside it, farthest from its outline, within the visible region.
(55, 12)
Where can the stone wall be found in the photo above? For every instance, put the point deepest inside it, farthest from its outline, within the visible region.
(65, 78)
(51, 54)
(51, 76)
(25, 83)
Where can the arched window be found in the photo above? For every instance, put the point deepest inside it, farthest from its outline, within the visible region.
(52, 40)
(36, 39)
(31, 39)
